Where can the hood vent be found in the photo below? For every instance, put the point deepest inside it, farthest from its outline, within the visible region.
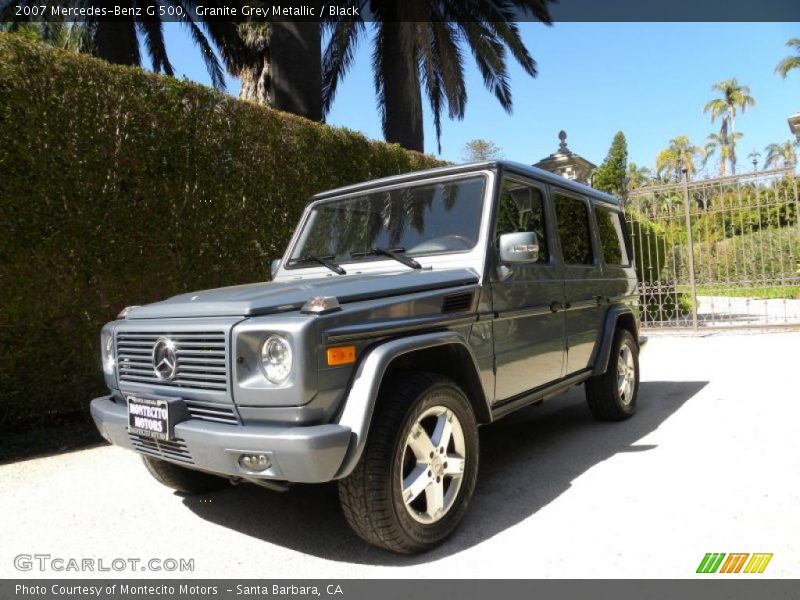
(457, 303)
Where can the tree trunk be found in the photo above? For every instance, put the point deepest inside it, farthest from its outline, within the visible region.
(255, 82)
(295, 81)
(402, 96)
(733, 143)
(116, 42)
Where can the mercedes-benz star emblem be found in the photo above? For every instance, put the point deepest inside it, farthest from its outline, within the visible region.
(165, 362)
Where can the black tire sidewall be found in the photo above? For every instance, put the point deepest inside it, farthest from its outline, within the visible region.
(450, 396)
(624, 337)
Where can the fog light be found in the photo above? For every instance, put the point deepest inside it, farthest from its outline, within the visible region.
(255, 462)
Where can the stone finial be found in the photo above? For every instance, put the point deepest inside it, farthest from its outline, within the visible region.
(562, 135)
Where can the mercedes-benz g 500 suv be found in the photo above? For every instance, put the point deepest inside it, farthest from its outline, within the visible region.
(405, 313)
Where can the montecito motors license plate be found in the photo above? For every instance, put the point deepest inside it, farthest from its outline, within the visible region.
(148, 417)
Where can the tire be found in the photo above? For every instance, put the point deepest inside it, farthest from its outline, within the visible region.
(608, 399)
(182, 479)
(372, 496)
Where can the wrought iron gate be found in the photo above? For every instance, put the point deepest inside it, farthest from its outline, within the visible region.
(719, 252)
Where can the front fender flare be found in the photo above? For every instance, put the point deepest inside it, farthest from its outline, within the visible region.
(359, 404)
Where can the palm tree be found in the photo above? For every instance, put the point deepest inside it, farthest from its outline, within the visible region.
(781, 155)
(790, 63)
(419, 44)
(253, 68)
(734, 96)
(723, 142)
(280, 66)
(67, 36)
(119, 40)
(677, 158)
(637, 176)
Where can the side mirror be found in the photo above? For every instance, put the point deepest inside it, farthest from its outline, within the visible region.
(276, 264)
(521, 247)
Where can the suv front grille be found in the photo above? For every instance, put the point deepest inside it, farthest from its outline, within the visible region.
(174, 450)
(200, 359)
(216, 413)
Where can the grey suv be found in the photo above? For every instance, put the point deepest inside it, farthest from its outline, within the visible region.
(405, 313)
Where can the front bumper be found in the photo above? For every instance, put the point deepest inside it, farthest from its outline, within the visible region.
(301, 454)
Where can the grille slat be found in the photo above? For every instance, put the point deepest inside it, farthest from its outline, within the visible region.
(201, 368)
(201, 359)
(218, 377)
(210, 359)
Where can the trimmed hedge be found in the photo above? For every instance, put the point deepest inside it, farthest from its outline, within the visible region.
(118, 187)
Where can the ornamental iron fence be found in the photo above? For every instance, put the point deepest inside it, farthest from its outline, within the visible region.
(718, 253)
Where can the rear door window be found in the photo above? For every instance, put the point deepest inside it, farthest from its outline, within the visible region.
(574, 232)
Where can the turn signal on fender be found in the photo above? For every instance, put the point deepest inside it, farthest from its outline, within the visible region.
(341, 355)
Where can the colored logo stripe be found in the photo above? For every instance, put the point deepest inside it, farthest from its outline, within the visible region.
(758, 563)
(710, 562)
(733, 564)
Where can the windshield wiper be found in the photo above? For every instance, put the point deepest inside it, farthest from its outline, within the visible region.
(395, 253)
(322, 260)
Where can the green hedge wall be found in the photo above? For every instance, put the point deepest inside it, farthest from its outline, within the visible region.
(122, 187)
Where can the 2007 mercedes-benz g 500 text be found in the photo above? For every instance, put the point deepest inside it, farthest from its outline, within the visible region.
(405, 313)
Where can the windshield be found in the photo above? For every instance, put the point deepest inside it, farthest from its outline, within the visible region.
(429, 218)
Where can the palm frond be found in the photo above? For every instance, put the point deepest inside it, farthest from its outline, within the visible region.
(378, 69)
(790, 63)
(489, 55)
(153, 34)
(338, 57)
(210, 59)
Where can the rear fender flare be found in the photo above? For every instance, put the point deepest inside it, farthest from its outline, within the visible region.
(610, 326)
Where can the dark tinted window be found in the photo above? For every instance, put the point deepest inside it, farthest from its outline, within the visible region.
(418, 219)
(573, 230)
(521, 208)
(612, 239)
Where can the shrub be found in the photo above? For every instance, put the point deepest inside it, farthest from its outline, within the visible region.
(121, 187)
(766, 256)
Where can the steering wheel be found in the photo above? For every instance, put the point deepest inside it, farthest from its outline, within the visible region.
(442, 243)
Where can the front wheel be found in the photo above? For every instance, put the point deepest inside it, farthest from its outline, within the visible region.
(181, 479)
(612, 396)
(416, 476)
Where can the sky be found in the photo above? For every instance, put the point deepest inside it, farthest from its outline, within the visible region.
(649, 80)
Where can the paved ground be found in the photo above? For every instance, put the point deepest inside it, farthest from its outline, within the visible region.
(709, 464)
(732, 311)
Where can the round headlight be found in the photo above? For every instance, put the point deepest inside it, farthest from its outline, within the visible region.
(107, 351)
(276, 358)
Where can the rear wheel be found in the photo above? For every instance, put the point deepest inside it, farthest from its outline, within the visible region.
(612, 396)
(413, 483)
(182, 479)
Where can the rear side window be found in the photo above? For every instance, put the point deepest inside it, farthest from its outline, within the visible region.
(573, 229)
(521, 208)
(612, 238)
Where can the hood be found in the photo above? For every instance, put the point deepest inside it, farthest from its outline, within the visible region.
(274, 297)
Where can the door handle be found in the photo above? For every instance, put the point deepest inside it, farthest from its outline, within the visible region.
(556, 306)
(601, 300)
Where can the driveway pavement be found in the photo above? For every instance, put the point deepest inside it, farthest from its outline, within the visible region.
(709, 464)
(732, 311)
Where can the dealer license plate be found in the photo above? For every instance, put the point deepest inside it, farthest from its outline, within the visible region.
(148, 417)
